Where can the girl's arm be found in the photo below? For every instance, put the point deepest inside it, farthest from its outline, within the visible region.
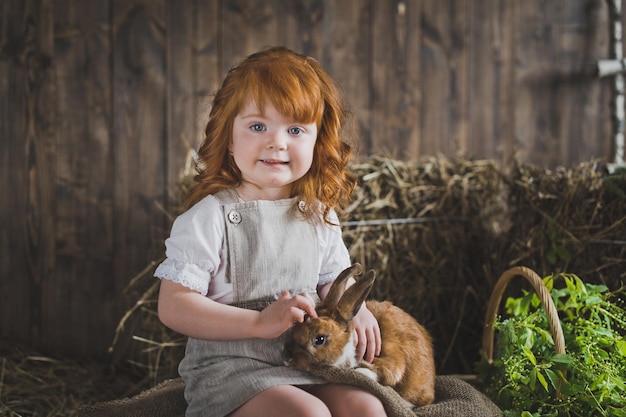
(192, 314)
(366, 330)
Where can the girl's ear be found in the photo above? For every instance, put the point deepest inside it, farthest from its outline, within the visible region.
(354, 297)
(339, 285)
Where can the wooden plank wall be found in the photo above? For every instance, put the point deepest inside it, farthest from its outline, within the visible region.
(100, 102)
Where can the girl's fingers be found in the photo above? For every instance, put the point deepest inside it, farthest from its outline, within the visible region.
(285, 295)
(373, 344)
(305, 302)
(298, 314)
(367, 338)
(379, 341)
(297, 307)
(359, 337)
(367, 343)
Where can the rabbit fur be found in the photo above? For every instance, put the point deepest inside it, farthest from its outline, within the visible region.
(406, 361)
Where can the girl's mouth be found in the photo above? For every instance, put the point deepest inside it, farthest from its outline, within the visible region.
(274, 162)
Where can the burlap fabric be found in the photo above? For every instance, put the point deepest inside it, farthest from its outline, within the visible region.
(453, 398)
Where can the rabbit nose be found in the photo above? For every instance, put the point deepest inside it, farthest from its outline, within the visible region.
(287, 355)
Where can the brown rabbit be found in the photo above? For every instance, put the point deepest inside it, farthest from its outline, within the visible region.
(406, 360)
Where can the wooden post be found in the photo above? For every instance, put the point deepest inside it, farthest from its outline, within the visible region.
(616, 68)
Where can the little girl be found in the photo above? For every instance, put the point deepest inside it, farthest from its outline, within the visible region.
(260, 241)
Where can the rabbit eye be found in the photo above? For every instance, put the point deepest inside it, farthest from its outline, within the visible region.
(319, 340)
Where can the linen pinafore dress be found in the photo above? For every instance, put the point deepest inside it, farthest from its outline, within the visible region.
(271, 248)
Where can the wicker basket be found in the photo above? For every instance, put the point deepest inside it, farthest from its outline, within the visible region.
(546, 301)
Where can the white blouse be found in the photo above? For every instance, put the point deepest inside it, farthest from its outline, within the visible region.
(196, 251)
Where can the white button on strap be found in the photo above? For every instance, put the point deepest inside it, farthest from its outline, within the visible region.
(302, 206)
(234, 217)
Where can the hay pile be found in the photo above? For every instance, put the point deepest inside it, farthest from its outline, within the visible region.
(569, 220)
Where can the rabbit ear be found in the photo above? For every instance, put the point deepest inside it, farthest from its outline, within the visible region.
(339, 285)
(354, 297)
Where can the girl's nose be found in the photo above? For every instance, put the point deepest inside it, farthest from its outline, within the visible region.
(278, 141)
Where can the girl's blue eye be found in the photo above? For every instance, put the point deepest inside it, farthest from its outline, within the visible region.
(257, 127)
(295, 130)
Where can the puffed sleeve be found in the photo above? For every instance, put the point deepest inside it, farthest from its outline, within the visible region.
(334, 253)
(194, 246)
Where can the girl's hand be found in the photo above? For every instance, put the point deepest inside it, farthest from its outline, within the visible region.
(278, 317)
(366, 335)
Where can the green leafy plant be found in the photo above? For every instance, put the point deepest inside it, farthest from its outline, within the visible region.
(528, 379)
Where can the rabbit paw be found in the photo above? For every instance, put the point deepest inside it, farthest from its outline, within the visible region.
(391, 376)
(368, 373)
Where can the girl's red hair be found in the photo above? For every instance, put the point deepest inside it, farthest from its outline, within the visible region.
(298, 87)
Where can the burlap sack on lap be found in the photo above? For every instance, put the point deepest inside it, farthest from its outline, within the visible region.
(453, 398)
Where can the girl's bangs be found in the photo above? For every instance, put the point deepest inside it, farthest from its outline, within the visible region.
(294, 94)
